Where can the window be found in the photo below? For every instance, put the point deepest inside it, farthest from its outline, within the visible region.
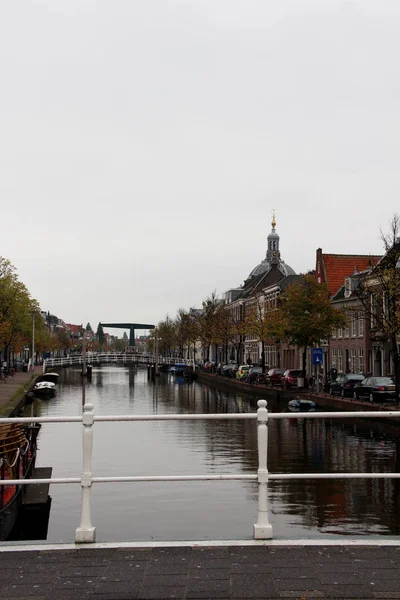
(340, 332)
(353, 360)
(360, 325)
(353, 325)
(334, 334)
(333, 357)
(385, 304)
(374, 306)
(347, 331)
(361, 360)
(340, 360)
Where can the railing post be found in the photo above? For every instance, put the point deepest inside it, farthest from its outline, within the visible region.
(263, 528)
(86, 533)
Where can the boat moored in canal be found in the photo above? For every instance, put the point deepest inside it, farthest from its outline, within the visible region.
(300, 404)
(17, 458)
(44, 389)
(50, 377)
(178, 369)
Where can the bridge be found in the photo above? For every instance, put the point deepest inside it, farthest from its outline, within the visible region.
(263, 567)
(258, 568)
(130, 326)
(97, 358)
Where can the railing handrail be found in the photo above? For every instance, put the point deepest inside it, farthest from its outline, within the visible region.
(85, 533)
(207, 417)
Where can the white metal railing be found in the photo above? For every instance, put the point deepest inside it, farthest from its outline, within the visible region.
(85, 533)
(103, 357)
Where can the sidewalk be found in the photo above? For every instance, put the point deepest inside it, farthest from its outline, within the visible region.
(297, 572)
(11, 387)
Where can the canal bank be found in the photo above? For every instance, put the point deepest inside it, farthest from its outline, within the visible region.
(13, 393)
(278, 395)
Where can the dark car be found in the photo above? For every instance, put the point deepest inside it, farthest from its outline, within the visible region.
(375, 389)
(220, 368)
(229, 370)
(344, 384)
(274, 376)
(253, 374)
(289, 378)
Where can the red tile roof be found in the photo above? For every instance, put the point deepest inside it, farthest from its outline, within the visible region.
(74, 328)
(339, 266)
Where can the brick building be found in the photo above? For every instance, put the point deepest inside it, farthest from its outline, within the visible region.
(350, 348)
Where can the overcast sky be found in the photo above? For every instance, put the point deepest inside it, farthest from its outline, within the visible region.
(144, 144)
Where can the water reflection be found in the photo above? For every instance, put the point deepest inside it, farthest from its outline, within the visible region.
(212, 510)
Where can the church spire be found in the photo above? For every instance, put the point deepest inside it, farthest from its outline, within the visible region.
(273, 254)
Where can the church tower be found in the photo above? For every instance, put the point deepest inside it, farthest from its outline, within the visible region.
(273, 255)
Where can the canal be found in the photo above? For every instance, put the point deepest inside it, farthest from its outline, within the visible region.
(210, 510)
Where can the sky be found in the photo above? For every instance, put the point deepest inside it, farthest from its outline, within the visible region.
(145, 143)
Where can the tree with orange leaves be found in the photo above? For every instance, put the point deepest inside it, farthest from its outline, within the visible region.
(305, 315)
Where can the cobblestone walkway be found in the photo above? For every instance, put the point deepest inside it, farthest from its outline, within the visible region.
(301, 572)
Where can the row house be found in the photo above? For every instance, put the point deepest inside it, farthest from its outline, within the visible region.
(380, 289)
(349, 349)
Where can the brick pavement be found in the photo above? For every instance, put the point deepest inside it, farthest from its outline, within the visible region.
(300, 572)
(8, 389)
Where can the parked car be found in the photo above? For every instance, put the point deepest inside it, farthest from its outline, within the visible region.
(220, 367)
(253, 374)
(344, 384)
(375, 389)
(274, 376)
(289, 378)
(229, 370)
(233, 370)
(242, 372)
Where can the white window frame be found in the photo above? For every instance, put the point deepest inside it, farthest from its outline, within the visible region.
(353, 360)
(353, 327)
(340, 360)
(333, 357)
(361, 325)
(361, 360)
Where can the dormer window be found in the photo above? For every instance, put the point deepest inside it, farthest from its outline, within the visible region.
(347, 287)
(350, 284)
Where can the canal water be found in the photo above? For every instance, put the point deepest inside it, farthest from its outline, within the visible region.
(210, 510)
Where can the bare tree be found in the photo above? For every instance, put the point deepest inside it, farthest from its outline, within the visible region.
(379, 296)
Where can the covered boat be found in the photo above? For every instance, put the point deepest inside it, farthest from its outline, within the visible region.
(51, 377)
(298, 404)
(45, 389)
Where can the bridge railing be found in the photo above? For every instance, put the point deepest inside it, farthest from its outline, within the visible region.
(262, 529)
(116, 357)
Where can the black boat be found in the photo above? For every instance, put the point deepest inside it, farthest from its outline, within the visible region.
(44, 389)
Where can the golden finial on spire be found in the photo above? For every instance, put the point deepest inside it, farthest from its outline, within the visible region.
(273, 219)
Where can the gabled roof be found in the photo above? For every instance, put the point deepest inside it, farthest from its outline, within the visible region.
(336, 267)
(252, 283)
(289, 280)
